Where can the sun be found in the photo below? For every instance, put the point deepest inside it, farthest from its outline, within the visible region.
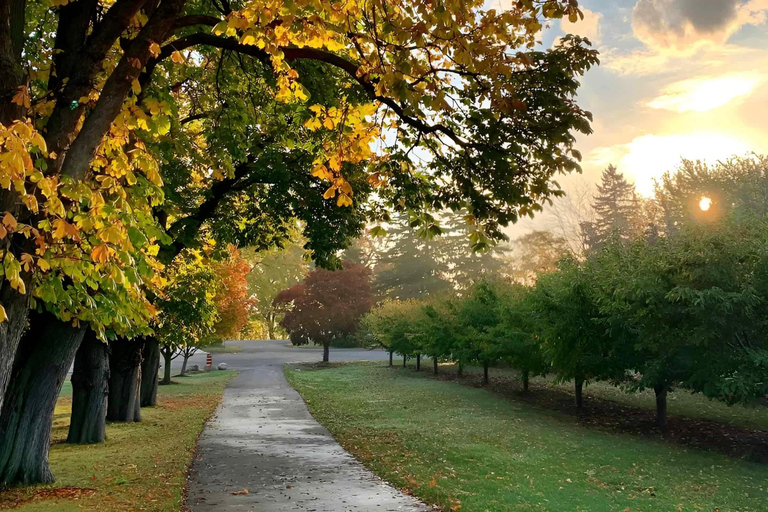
(705, 204)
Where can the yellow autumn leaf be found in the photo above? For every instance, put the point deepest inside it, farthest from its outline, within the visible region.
(177, 57)
(21, 98)
(10, 221)
(100, 253)
(154, 49)
(3, 314)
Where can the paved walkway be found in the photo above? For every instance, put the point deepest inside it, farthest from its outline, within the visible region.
(264, 452)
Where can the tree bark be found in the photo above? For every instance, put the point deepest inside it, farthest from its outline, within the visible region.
(184, 365)
(149, 366)
(12, 14)
(124, 380)
(661, 406)
(167, 358)
(326, 352)
(90, 388)
(405, 359)
(17, 309)
(434, 363)
(485, 372)
(526, 376)
(391, 356)
(460, 370)
(578, 387)
(44, 356)
(418, 362)
(116, 88)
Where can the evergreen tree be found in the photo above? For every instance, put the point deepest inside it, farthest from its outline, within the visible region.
(616, 208)
(407, 265)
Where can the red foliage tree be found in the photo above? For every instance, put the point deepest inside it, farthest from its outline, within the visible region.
(327, 305)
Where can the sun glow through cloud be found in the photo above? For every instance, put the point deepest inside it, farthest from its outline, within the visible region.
(647, 158)
(705, 94)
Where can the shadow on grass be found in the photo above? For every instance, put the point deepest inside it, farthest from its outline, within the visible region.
(599, 413)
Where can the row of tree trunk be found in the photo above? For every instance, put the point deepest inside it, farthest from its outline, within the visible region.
(106, 385)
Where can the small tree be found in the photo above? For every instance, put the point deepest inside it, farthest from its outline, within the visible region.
(520, 347)
(567, 321)
(327, 305)
(188, 312)
(477, 316)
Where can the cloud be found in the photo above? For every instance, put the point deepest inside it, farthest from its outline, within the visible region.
(705, 94)
(648, 157)
(682, 26)
(589, 27)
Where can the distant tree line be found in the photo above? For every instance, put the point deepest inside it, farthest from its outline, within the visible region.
(672, 292)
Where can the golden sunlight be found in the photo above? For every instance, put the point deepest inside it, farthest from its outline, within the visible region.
(704, 94)
(647, 158)
(705, 204)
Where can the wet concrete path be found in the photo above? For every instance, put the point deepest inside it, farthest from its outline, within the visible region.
(264, 452)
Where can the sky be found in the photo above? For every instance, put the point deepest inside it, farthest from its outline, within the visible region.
(677, 79)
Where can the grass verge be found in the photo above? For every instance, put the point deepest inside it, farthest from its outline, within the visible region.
(221, 348)
(141, 466)
(465, 448)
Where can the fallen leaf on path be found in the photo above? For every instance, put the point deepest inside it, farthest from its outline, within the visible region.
(237, 493)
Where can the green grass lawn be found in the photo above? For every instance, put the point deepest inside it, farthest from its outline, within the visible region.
(680, 402)
(141, 466)
(470, 449)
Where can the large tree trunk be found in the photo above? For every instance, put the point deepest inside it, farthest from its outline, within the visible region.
(326, 352)
(418, 362)
(90, 387)
(12, 13)
(434, 363)
(44, 356)
(184, 365)
(17, 309)
(578, 388)
(125, 380)
(661, 406)
(391, 356)
(167, 358)
(149, 366)
(405, 360)
(525, 376)
(460, 370)
(485, 372)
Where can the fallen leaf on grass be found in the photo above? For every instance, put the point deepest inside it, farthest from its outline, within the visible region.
(238, 493)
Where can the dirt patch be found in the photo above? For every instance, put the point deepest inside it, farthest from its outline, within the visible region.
(599, 413)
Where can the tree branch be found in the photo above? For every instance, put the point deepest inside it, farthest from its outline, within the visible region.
(292, 54)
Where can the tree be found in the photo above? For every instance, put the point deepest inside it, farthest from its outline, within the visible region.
(567, 321)
(233, 303)
(537, 252)
(691, 309)
(327, 305)
(105, 83)
(477, 316)
(273, 271)
(615, 205)
(515, 333)
(395, 324)
(416, 259)
(188, 313)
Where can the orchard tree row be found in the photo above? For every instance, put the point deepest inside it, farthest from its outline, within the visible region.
(682, 303)
(135, 135)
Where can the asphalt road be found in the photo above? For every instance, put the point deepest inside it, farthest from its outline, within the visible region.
(264, 452)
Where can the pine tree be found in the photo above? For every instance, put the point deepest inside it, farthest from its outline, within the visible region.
(616, 207)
